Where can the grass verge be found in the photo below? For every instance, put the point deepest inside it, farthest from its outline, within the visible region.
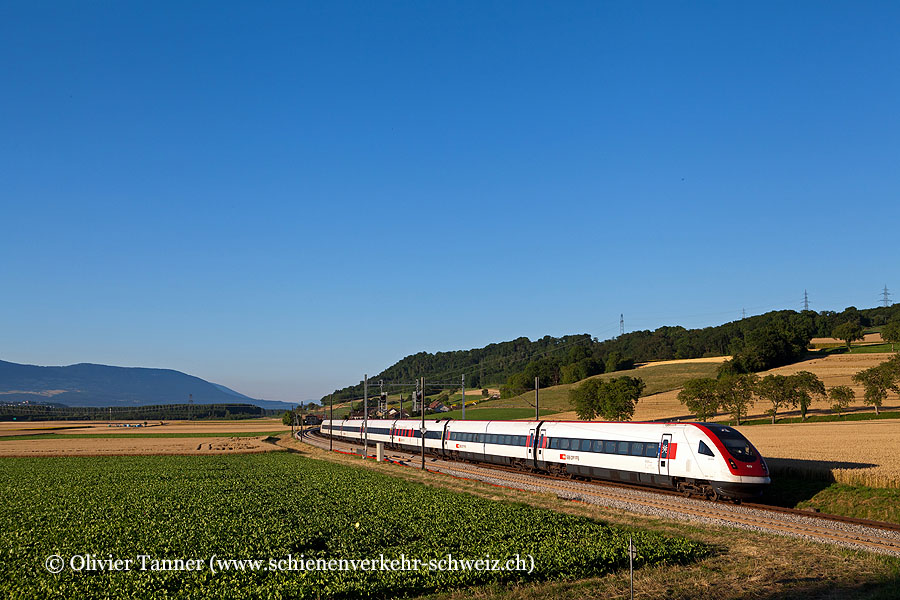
(866, 415)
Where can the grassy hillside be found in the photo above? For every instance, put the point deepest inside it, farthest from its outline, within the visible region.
(659, 378)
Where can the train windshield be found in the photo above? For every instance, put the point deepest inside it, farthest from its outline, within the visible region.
(736, 444)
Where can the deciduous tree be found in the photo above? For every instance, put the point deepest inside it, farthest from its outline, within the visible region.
(891, 333)
(613, 399)
(736, 394)
(848, 332)
(619, 396)
(806, 386)
(585, 399)
(841, 396)
(777, 389)
(701, 397)
(876, 382)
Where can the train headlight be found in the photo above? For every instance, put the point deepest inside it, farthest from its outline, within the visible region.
(731, 462)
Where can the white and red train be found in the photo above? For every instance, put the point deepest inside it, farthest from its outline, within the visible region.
(695, 458)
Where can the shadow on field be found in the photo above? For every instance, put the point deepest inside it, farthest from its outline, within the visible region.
(788, 492)
(796, 480)
(811, 469)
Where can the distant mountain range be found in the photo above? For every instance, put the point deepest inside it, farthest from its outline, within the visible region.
(101, 385)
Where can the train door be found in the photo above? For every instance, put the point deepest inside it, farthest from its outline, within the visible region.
(445, 435)
(664, 453)
(531, 444)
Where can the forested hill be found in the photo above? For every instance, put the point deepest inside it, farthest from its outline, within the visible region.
(102, 385)
(757, 343)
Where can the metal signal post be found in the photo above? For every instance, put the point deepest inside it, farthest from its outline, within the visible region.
(464, 396)
(422, 408)
(366, 415)
(331, 425)
(631, 554)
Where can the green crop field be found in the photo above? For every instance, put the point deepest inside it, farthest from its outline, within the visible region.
(271, 507)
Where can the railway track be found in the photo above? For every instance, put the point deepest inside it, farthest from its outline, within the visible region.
(873, 536)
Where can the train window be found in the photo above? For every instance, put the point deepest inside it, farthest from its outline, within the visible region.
(637, 448)
(598, 446)
(563, 443)
(704, 449)
(623, 448)
(610, 448)
(554, 443)
(740, 449)
(650, 450)
(586, 445)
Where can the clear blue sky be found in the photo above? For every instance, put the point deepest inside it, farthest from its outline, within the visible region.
(281, 198)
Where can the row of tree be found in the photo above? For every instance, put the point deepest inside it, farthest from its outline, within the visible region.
(736, 394)
(156, 412)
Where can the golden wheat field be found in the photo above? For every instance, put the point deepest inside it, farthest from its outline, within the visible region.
(833, 370)
(869, 338)
(854, 452)
(170, 437)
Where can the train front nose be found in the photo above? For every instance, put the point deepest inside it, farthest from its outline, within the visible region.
(747, 488)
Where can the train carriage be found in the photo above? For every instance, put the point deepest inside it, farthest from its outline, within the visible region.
(695, 458)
